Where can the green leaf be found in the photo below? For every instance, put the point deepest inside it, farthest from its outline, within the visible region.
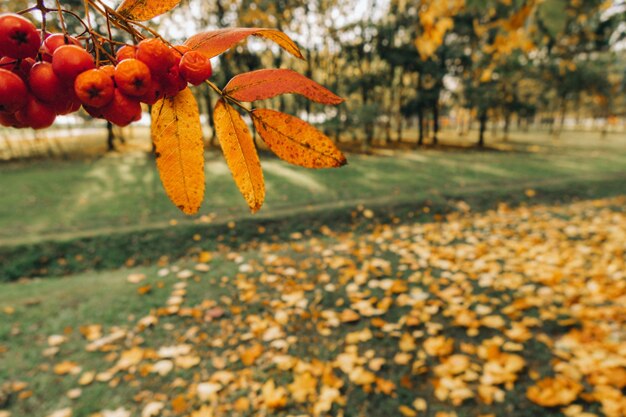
(553, 16)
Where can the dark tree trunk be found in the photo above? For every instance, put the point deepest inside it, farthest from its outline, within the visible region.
(435, 121)
(420, 112)
(483, 126)
(110, 137)
(420, 126)
(507, 123)
(400, 120)
(563, 111)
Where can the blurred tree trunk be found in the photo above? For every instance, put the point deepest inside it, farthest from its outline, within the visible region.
(390, 104)
(435, 120)
(563, 113)
(399, 118)
(483, 126)
(507, 123)
(420, 112)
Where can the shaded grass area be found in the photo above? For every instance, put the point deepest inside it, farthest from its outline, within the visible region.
(113, 250)
(58, 199)
(60, 217)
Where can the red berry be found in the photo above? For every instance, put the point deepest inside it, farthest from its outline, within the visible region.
(195, 67)
(70, 60)
(68, 105)
(9, 120)
(123, 110)
(132, 77)
(154, 93)
(95, 112)
(13, 91)
(172, 82)
(44, 83)
(18, 37)
(21, 67)
(156, 55)
(54, 41)
(94, 88)
(36, 114)
(179, 51)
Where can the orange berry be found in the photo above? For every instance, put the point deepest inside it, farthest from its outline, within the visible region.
(94, 88)
(126, 52)
(132, 77)
(108, 70)
(179, 51)
(195, 67)
(156, 55)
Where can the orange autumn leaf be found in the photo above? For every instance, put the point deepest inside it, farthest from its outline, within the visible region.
(296, 141)
(179, 149)
(214, 42)
(268, 83)
(240, 153)
(67, 367)
(142, 10)
(552, 392)
(250, 355)
(179, 404)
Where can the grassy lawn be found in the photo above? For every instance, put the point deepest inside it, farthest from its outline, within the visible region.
(52, 199)
(461, 316)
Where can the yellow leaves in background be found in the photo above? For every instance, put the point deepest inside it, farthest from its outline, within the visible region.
(505, 43)
(142, 10)
(435, 20)
(179, 149)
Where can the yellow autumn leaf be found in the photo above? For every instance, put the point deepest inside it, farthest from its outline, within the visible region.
(179, 150)
(552, 392)
(240, 153)
(142, 10)
(274, 398)
(250, 355)
(304, 387)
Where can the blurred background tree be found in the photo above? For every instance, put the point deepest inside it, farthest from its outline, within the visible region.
(411, 70)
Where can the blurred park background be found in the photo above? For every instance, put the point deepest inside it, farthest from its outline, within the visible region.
(486, 142)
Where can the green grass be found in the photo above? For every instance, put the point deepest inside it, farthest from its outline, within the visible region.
(61, 217)
(54, 199)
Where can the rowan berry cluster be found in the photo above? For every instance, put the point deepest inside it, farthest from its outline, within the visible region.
(44, 75)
